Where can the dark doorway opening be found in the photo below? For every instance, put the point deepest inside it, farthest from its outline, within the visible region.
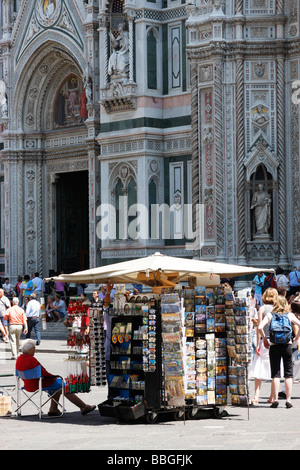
(72, 221)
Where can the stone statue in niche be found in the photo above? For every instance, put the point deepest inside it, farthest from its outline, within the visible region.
(261, 203)
(4, 107)
(3, 99)
(88, 91)
(118, 63)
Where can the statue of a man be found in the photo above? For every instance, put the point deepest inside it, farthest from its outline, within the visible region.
(4, 108)
(88, 91)
(261, 203)
(119, 59)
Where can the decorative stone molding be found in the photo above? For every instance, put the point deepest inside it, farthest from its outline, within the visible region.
(119, 96)
(123, 171)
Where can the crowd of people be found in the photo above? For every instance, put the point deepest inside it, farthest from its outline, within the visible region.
(101, 297)
(20, 306)
(270, 295)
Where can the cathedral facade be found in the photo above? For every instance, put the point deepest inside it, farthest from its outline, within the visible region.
(120, 119)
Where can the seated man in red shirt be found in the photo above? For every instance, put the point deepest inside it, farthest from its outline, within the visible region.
(27, 361)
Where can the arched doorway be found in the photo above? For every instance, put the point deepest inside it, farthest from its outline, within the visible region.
(72, 221)
(55, 151)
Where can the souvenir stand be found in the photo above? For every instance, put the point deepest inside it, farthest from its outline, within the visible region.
(86, 346)
(78, 371)
(176, 350)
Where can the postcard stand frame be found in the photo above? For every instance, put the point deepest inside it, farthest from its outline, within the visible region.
(152, 401)
(78, 349)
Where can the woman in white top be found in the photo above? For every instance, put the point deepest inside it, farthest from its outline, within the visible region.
(260, 369)
(281, 279)
(6, 286)
(280, 351)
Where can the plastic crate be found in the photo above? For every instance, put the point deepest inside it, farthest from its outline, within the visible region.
(128, 412)
(109, 408)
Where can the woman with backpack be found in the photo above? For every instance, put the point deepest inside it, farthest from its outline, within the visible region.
(270, 281)
(280, 345)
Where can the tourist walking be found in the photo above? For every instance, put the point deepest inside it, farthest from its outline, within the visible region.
(96, 302)
(260, 369)
(253, 313)
(295, 309)
(102, 292)
(281, 279)
(33, 318)
(16, 319)
(7, 287)
(280, 351)
(294, 279)
(18, 291)
(37, 286)
(4, 305)
(60, 287)
(2, 331)
(258, 283)
(270, 281)
(29, 285)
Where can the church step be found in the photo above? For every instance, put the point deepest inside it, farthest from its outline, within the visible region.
(54, 330)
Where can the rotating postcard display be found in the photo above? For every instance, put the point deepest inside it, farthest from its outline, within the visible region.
(134, 376)
(239, 349)
(216, 346)
(133, 353)
(180, 349)
(172, 353)
(97, 347)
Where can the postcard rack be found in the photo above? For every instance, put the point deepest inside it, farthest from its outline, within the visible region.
(78, 361)
(178, 353)
(97, 347)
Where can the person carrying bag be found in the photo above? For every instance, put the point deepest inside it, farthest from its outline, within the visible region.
(280, 344)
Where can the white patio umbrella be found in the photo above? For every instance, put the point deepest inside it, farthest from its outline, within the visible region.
(174, 268)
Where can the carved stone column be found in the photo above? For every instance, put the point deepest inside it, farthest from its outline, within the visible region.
(239, 7)
(7, 9)
(219, 157)
(131, 14)
(280, 6)
(240, 160)
(196, 162)
(281, 149)
(103, 41)
(94, 202)
(295, 176)
(131, 46)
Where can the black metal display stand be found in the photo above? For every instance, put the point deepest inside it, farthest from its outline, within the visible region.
(134, 389)
(144, 358)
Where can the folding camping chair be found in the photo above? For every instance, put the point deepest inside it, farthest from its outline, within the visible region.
(7, 394)
(36, 373)
(7, 388)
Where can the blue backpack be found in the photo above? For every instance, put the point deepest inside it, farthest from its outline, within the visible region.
(280, 329)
